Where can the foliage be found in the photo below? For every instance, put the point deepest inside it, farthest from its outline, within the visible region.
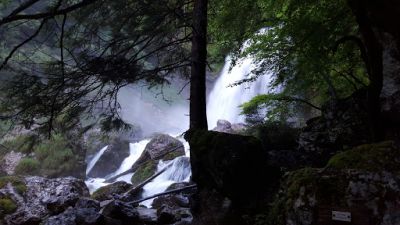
(56, 156)
(304, 44)
(27, 166)
(16, 181)
(7, 206)
(76, 63)
(275, 135)
(22, 143)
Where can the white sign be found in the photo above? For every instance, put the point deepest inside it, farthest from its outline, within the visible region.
(341, 216)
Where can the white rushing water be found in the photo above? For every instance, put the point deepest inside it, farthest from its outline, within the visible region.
(95, 159)
(223, 103)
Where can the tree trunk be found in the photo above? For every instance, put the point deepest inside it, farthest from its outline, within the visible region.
(379, 27)
(198, 116)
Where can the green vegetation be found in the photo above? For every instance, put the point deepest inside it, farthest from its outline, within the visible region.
(370, 157)
(7, 206)
(172, 155)
(27, 166)
(22, 143)
(143, 172)
(55, 156)
(17, 182)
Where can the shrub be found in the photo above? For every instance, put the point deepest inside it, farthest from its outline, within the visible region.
(17, 182)
(22, 143)
(56, 156)
(7, 206)
(27, 166)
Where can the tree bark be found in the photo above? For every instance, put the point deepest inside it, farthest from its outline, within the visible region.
(374, 65)
(198, 115)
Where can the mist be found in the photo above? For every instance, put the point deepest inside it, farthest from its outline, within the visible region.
(155, 112)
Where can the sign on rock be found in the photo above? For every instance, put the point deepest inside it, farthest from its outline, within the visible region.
(341, 216)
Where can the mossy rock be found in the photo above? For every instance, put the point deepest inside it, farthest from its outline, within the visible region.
(303, 189)
(17, 182)
(7, 206)
(377, 157)
(107, 192)
(144, 172)
(172, 155)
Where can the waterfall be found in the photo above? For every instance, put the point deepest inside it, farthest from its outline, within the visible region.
(95, 159)
(223, 101)
(179, 171)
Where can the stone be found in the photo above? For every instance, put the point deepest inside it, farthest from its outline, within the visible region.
(43, 197)
(10, 162)
(120, 211)
(109, 191)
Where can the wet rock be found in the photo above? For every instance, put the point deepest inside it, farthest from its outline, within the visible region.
(85, 212)
(42, 197)
(109, 191)
(147, 216)
(167, 215)
(162, 146)
(111, 159)
(120, 211)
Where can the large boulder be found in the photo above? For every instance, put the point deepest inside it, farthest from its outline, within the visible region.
(230, 168)
(111, 159)
(111, 190)
(161, 146)
(363, 182)
(37, 197)
(342, 124)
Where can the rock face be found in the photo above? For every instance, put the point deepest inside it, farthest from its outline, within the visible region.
(111, 159)
(10, 161)
(162, 146)
(342, 125)
(234, 166)
(37, 197)
(363, 181)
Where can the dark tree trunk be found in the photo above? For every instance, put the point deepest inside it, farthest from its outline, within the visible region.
(379, 27)
(198, 116)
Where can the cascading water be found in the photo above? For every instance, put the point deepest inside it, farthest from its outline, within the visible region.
(223, 103)
(224, 100)
(95, 159)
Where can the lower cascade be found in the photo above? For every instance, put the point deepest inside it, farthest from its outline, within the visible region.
(223, 103)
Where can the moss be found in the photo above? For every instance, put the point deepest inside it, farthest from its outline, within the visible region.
(7, 206)
(27, 166)
(143, 172)
(22, 143)
(101, 193)
(328, 188)
(17, 182)
(172, 155)
(370, 157)
(106, 192)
